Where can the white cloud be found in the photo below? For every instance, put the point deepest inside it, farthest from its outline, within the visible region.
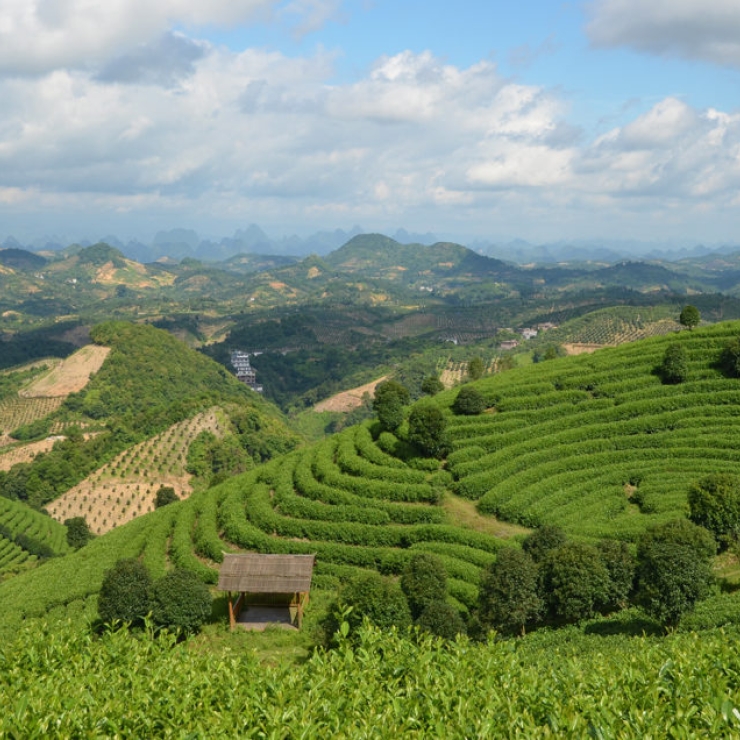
(38, 36)
(261, 136)
(694, 29)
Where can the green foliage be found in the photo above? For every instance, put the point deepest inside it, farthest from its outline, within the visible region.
(675, 367)
(78, 532)
(729, 359)
(427, 427)
(424, 580)
(181, 601)
(431, 385)
(576, 581)
(689, 317)
(545, 538)
(673, 569)
(371, 597)
(476, 368)
(126, 593)
(441, 619)
(508, 598)
(714, 503)
(165, 495)
(388, 402)
(469, 402)
(620, 565)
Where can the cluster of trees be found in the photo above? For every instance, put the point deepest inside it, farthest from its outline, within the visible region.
(419, 599)
(179, 600)
(552, 580)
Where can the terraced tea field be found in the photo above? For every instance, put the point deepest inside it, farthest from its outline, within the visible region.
(597, 444)
(125, 488)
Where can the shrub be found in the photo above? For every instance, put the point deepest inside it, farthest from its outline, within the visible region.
(126, 592)
(508, 597)
(372, 597)
(729, 360)
(181, 601)
(675, 367)
(441, 619)
(431, 385)
(78, 533)
(427, 430)
(714, 503)
(469, 402)
(673, 569)
(424, 580)
(390, 398)
(542, 540)
(165, 495)
(575, 581)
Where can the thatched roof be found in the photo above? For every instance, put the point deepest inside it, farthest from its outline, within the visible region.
(266, 574)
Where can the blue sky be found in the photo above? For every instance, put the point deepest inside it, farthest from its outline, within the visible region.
(603, 119)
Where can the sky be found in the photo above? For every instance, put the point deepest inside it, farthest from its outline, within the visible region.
(475, 120)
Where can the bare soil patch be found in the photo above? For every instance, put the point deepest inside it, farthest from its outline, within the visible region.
(70, 376)
(348, 400)
(23, 454)
(465, 514)
(577, 348)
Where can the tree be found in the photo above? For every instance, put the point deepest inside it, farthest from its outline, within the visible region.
(469, 402)
(575, 581)
(675, 366)
(508, 597)
(423, 580)
(729, 360)
(165, 495)
(371, 597)
(689, 317)
(390, 398)
(673, 569)
(78, 533)
(432, 385)
(427, 429)
(441, 619)
(181, 601)
(126, 592)
(620, 565)
(714, 503)
(542, 540)
(476, 368)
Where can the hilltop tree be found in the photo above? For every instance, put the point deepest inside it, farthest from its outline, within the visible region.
(689, 317)
(675, 367)
(542, 540)
(476, 368)
(390, 398)
(714, 503)
(427, 429)
(508, 597)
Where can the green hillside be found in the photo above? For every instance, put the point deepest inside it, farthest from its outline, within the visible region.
(595, 444)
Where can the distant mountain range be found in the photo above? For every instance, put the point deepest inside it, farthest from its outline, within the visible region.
(177, 244)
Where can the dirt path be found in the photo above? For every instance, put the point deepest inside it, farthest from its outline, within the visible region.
(348, 400)
(464, 513)
(70, 376)
(579, 348)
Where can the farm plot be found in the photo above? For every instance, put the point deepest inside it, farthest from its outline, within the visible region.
(595, 443)
(70, 376)
(16, 411)
(125, 488)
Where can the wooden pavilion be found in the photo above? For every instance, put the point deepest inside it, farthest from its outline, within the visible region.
(277, 581)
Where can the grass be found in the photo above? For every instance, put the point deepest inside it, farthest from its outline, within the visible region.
(464, 513)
